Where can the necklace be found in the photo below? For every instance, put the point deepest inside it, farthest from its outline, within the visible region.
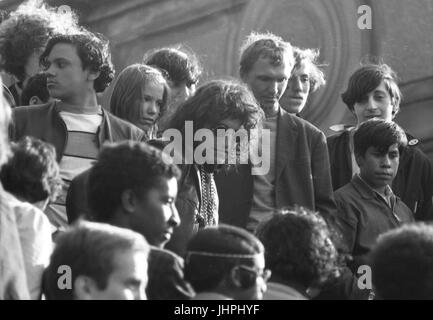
(208, 214)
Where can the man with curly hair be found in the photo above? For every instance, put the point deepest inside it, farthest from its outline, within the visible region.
(23, 36)
(77, 66)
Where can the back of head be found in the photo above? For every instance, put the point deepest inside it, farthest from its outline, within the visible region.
(87, 249)
(125, 166)
(32, 173)
(298, 247)
(213, 252)
(36, 87)
(26, 32)
(180, 63)
(94, 52)
(215, 101)
(402, 263)
(265, 46)
(379, 134)
(366, 79)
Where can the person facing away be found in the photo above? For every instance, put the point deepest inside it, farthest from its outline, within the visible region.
(97, 262)
(367, 206)
(402, 263)
(13, 280)
(140, 96)
(77, 67)
(373, 92)
(306, 78)
(32, 176)
(134, 186)
(300, 253)
(226, 263)
(35, 91)
(299, 166)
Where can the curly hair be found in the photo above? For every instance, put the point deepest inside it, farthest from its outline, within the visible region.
(32, 173)
(265, 45)
(298, 247)
(402, 263)
(366, 79)
(27, 30)
(181, 64)
(128, 165)
(215, 101)
(94, 52)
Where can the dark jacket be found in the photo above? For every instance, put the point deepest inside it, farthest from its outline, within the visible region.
(44, 122)
(413, 183)
(301, 168)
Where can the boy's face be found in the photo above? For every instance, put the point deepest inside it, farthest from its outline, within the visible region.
(66, 78)
(298, 88)
(127, 281)
(378, 169)
(155, 215)
(375, 104)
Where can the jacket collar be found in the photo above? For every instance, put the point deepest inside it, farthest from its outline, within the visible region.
(364, 189)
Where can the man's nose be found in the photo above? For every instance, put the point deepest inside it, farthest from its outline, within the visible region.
(296, 84)
(386, 161)
(371, 104)
(175, 218)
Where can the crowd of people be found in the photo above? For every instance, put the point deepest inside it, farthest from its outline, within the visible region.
(97, 203)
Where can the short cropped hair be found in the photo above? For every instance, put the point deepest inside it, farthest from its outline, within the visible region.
(180, 62)
(298, 247)
(366, 79)
(265, 46)
(402, 263)
(310, 57)
(379, 134)
(214, 251)
(5, 119)
(32, 173)
(94, 52)
(88, 250)
(217, 100)
(125, 166)
(36, 86)
(27, 30)
(128, 90)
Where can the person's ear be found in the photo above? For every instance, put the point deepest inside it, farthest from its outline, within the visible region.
(235, 277)
(128, 200)
(93, 75)
(359, 160)
(35, 100)
(84, 288)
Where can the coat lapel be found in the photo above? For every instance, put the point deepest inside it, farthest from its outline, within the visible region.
(286, 142)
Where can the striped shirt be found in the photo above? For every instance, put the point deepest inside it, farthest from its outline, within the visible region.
(81, 151)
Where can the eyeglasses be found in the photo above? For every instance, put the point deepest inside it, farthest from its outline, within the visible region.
(265, 274)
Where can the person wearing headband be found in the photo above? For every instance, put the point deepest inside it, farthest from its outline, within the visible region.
(226, 263)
